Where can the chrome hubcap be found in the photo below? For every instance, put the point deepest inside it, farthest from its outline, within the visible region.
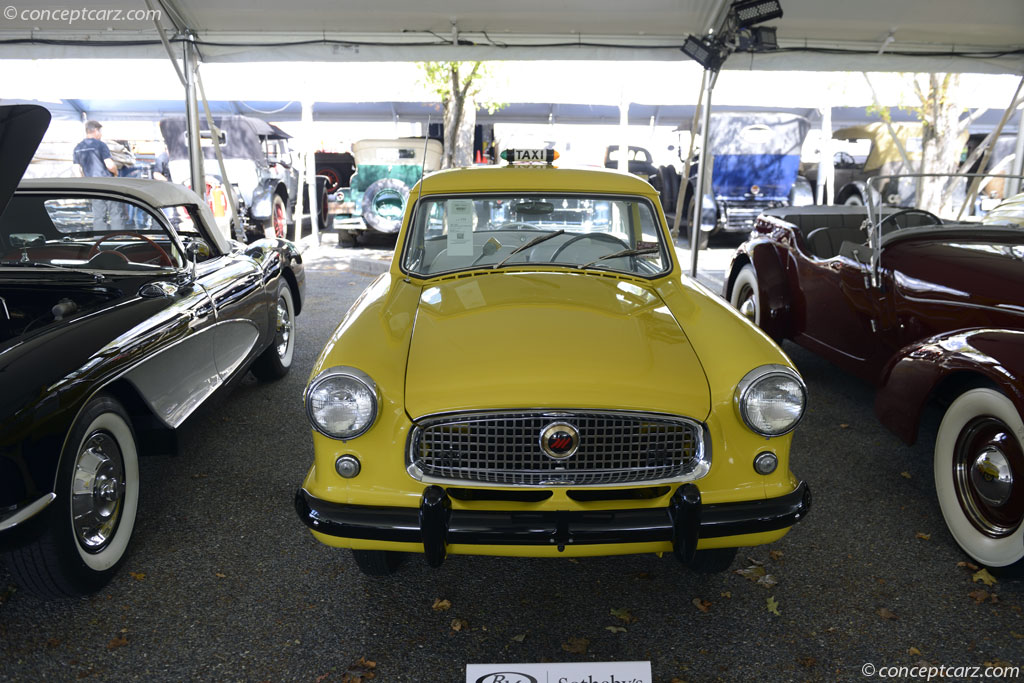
(987, 463)
(97, 491)
(748, 307)
(991, 476)
(284, 327)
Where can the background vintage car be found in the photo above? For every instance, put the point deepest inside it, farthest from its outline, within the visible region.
(114, 327)
(260, 167)
(932, 314)
(534, 378)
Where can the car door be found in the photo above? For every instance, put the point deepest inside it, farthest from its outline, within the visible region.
(234, 281)
(841, 310)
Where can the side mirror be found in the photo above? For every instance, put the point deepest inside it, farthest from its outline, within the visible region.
(197, 249)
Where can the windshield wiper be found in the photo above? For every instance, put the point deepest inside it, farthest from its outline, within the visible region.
(38, 264)
(532, 243)
(624, 252)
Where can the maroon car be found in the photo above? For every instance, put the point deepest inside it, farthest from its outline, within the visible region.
(925, 310)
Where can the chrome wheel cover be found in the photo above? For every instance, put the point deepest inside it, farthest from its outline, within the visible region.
(97, 491)
(987, 463)
(285, 326)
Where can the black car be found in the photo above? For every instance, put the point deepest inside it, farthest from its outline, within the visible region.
(122, 309)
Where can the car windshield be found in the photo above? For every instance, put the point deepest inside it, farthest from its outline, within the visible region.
(504, 231)
(85, 234)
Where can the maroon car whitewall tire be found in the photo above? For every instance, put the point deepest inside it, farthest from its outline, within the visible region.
(979, 475)
(745, 295)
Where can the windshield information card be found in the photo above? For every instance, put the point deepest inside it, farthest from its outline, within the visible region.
(576, 672)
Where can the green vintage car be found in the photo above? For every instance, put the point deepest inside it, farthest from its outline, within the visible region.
(376, 197)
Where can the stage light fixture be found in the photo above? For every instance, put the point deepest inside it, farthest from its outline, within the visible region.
(753, 12)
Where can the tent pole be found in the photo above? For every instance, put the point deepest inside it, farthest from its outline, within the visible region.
(684, 179)
(195, 146)
(702, 169)
(1018, 160)
(310, 164)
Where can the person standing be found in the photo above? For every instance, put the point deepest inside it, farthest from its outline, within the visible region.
(93, 160)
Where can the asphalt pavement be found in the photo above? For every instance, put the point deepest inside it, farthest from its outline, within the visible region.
(224, 583)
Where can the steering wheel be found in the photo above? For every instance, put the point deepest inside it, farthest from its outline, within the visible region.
(162, 255)
(843, 160)
(893, 218)
(516, 225)
(599, 236)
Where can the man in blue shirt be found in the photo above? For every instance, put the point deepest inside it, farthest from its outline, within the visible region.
(92, 158)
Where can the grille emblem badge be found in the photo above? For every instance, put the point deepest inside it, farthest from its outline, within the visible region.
(559, 440)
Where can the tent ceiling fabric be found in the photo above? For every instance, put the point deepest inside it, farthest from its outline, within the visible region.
(918, 35)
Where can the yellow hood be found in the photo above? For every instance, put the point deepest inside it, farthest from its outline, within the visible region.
(561, 340)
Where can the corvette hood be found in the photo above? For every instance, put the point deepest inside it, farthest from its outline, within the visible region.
(560, 340)
(22, 126)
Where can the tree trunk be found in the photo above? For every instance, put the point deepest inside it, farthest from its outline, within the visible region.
(942, 142)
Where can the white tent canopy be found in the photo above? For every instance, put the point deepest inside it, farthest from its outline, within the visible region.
(869, 35)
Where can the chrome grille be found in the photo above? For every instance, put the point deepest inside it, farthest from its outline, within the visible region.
(741, 217)
(504, 449)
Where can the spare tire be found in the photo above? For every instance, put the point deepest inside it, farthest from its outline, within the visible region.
(384, 205)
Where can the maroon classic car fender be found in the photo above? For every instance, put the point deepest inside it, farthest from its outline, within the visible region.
(774, 297)
(948, 364)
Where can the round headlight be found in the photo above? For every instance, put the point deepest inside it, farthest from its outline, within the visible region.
(341, 402)
(771, 399)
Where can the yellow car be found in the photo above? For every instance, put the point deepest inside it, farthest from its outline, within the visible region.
(535, 377)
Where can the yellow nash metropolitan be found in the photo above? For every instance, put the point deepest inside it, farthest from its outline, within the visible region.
(535, 377)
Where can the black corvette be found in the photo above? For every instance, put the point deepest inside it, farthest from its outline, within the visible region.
(122, 308)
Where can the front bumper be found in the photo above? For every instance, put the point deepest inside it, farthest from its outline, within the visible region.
(435, 524)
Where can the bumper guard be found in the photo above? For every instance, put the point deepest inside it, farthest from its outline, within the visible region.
(436, 525)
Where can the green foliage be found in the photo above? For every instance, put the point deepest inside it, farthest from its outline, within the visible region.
(477, 80)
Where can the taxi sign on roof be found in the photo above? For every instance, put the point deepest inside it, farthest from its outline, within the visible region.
(529, 155)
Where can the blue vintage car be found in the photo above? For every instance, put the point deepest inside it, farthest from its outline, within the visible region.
(754, 166)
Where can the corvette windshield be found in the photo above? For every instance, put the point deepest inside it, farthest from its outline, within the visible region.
(84, 234)
(512, 231)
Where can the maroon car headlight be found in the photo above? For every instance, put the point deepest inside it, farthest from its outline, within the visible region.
(341, 402)
(771, 399)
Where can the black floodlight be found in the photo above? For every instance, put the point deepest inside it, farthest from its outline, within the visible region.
(758, 39)
(705, 52)
(752, 12)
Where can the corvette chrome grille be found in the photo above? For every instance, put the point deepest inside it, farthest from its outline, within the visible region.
(504, 449)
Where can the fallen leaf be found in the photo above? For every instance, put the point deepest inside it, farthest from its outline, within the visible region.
(979, 596)
(886, 614)
(52, 642)
(519, 637)
(923, 536)
(767, 581)
(115, 643)
(905, 475)
(459, 624)
(775, 554)
(753, 572)
(773, 606)
(914, 652)
(615, 629)
(726, 594)
(1018, 636)
(844, 425)
(441, 605)
(623, 615)
(983, 576)
(968, 565)
(138, 576)
(702, 605)
(576, 646)
(807, 662)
